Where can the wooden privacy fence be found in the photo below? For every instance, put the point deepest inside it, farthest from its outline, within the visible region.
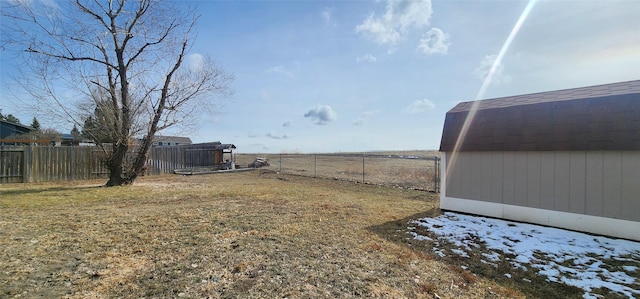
(166, 159)
(11, 165)
(23, 164)
(47, 163)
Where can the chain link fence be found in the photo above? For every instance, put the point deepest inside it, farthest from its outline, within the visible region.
(407, 171)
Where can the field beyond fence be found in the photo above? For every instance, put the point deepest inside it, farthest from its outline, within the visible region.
(416, 170)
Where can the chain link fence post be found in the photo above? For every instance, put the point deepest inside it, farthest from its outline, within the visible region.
(363, 168)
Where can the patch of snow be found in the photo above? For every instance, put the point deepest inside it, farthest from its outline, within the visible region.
(568, 257)
(493, 256)
(488, 263)
(460, 252)
(519, 266)
(439, 252)
(420, 237)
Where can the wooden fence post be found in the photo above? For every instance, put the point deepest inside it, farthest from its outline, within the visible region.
(27, 168)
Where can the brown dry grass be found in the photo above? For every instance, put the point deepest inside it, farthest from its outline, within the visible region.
(244, 235)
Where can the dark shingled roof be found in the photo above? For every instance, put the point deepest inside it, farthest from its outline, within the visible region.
(216, 145)
(174, 139)
(602, 117)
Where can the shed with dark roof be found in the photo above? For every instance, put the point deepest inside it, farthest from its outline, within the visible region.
(211, 155)
(567, 158)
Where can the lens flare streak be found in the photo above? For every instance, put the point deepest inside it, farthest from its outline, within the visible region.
(487, 81)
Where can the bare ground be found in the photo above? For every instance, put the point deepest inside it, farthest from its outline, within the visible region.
(244, 235)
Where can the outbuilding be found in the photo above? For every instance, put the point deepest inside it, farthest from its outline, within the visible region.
(212, 154)
(567, 158)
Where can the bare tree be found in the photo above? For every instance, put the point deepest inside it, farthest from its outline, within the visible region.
(128, 57)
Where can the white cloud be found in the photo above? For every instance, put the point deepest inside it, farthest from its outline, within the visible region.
(252, 135)
(279, 69)
(321, 115)
(434, 42)
(420, 106)
(265, 96)
(361, 120)
(484, 70)
(399, 18)
(195, 62)
(277, 137)
(366, 58)
(327, 16)
(287, 124)
(370, 113)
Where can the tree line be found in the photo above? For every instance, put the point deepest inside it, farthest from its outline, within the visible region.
(40, 133)
(35, 124)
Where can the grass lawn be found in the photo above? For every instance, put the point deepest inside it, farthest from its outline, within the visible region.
(255, 234)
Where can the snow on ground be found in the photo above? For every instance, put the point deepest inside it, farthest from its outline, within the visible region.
(563, 256)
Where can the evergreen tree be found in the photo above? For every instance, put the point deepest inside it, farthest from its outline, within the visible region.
(97, 127)
(12, 119)
(75, 132)
(35, 124)
(76, 135)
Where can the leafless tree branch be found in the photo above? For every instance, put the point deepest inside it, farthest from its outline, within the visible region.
(123, 56)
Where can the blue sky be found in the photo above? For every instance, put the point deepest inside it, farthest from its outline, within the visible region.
(327, 76)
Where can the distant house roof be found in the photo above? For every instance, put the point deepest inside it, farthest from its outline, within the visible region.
(226, 146)
(602, 117)
(212, 146)
(12, 129)
(172, 139)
